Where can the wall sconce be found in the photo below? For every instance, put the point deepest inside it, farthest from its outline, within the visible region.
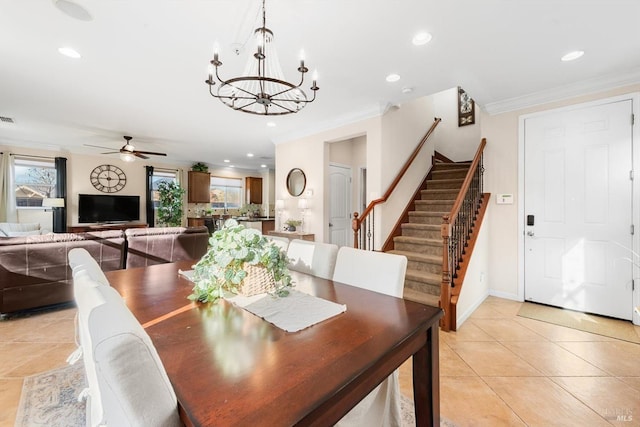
(52, 203)
(302, 205)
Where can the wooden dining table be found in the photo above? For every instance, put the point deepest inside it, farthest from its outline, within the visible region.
(229, 367)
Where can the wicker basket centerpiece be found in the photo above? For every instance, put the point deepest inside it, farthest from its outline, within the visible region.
(242, 261)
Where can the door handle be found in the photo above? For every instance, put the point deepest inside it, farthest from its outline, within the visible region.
(530, 233)
(330, 225)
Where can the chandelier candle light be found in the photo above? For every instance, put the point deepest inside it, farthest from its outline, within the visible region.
(262, 89)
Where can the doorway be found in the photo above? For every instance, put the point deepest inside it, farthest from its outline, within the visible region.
(578, 208)
(339, 204)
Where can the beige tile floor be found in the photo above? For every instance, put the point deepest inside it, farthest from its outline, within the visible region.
(498, 369)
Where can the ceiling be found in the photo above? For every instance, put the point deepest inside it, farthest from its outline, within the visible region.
(144, 64)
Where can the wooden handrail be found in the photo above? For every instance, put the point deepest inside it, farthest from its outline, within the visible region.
(359, 219)
(449, 265)
(467, 180)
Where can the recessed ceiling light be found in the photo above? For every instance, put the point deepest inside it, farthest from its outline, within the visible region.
(271, 124)
(263, 166)
(393, 78)
(421, 38)
(73, 10)
(407, 90)
(69, 52)
(227, 160)
(249, 154)
(572, 55)
(231, 166)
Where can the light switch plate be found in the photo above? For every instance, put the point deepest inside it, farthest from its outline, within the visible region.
(504, 199)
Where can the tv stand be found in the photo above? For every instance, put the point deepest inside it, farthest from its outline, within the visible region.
(105, 226)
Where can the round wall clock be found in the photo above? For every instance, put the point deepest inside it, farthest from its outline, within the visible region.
(108, 178)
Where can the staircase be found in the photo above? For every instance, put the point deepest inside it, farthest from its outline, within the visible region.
(421, 240)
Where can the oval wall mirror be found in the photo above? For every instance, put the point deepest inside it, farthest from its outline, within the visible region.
(296, 182)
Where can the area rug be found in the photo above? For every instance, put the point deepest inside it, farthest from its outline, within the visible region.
(408, 414)
(600, 325)
(51, 398)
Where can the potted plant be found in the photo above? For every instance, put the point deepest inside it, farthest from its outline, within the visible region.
(170, 203)
(200, 167)
(250, 210)
(292, 224)
(240, 260)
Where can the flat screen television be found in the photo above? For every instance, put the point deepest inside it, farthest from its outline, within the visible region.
(108, 208)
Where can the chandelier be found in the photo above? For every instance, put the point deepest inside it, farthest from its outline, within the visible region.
(262, 88)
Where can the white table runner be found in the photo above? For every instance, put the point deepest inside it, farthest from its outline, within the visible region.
(292, 313)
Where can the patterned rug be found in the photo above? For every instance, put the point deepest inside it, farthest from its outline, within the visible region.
(51, 398)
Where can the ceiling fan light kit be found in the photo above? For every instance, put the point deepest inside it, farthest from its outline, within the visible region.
(128, 152)
(263, 89)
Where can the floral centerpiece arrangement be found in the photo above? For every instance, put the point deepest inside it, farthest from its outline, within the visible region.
(240, 260)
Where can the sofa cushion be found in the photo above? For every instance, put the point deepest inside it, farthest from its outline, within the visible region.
(34, 270)
(8, 229)
(149, 246)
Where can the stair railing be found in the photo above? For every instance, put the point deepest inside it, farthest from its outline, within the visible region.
(364, 225)
(456, 229)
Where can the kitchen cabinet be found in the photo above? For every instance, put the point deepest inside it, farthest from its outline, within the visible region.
(253, 188)
(199, 183)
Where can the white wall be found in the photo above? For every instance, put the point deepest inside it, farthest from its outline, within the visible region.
(311, 154)
(477, 278)
(501, 176)
(456, 143)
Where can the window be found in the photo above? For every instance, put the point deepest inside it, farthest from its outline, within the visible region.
(226, 192)
(160, 175)
(35, 179)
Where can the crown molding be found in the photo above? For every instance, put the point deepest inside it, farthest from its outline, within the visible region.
(343, 120)
(572, 90)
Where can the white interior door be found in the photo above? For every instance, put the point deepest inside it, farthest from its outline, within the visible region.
(578, 209)
(340, 205)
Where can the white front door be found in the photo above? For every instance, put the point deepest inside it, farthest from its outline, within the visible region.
(340, 206)
(578, 209)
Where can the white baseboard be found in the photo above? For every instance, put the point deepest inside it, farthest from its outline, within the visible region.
(505, 295)
(464, 316)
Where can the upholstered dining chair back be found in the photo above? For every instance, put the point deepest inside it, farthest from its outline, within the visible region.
(315, 258)
(383, 273)
(129, 380)
(377, 271)
(281, 242)
(81, 260)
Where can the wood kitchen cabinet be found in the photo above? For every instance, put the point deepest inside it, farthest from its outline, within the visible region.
(199, 183)
(253, 187)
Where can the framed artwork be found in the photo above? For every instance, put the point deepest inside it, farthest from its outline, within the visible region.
(466, 108)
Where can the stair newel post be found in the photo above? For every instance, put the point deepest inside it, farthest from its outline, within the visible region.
(445, 286)
(355, 226)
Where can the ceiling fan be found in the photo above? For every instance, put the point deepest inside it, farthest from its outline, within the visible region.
(128, 152)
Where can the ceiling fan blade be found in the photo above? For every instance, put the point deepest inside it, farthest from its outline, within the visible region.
(137, 154)
(150, 152)
(111, 152)
(98, 146)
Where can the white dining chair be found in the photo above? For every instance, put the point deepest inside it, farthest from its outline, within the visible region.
(281, 242)
(80, 259)
(384, 273)
(376, 271)
(315, 258)
(127, 383)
